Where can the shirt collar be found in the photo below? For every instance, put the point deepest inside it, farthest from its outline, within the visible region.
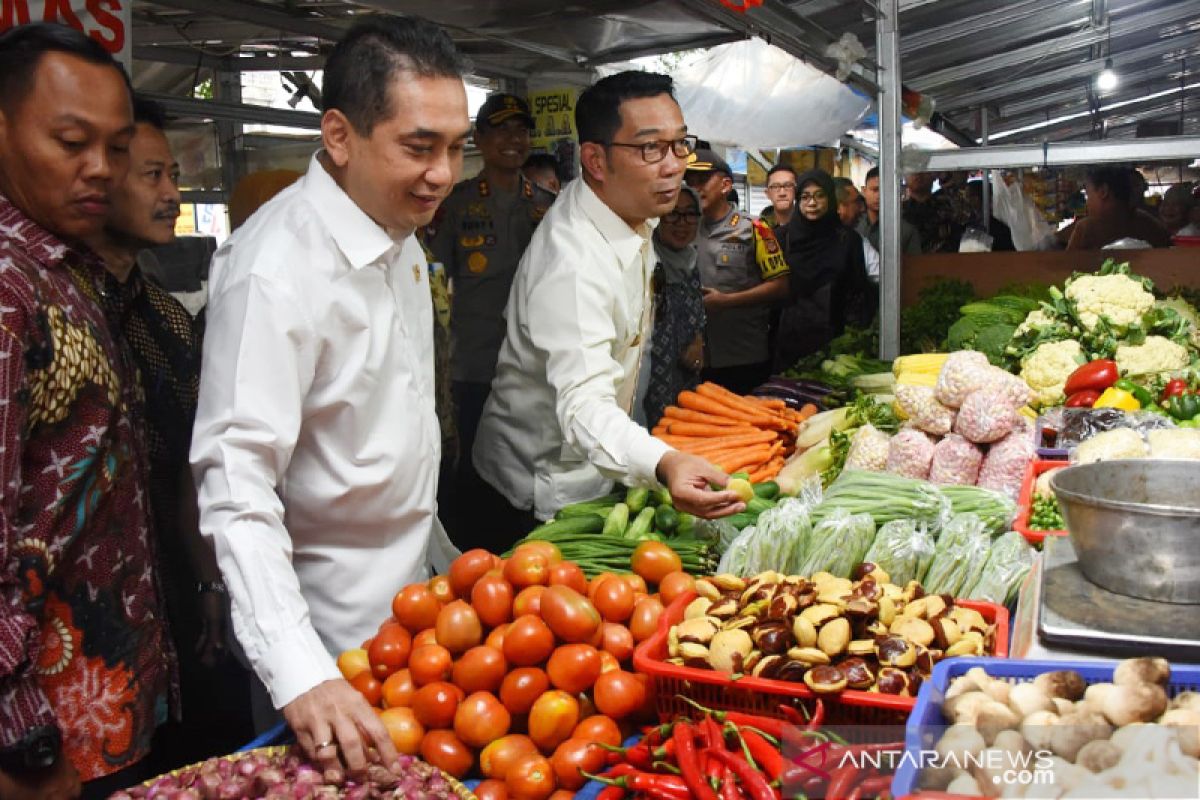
(626, 241)
(35, 241)
(361, 239)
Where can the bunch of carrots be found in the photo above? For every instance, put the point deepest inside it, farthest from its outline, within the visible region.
(737, 433)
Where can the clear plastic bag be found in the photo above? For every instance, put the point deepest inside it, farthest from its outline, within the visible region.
(962, 374)
(868, 449)
(961, 552)
(985, 417)
(1076, 425)
(838, 544)
(955, 461)
(1003, 467)
(1008, 562)
(910, 453)
(776, 541)
(902, 549)
(921, 406)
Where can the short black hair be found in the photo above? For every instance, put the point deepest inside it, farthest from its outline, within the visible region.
(975, 189)
(149, 112)
(1118, 180)
(780, 168)
(841, 186)
(598, 110)
(361, 68)
(22, 48)
(873, 172)
(541, 161)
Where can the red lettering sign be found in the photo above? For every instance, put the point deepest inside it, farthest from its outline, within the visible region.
(106, 21)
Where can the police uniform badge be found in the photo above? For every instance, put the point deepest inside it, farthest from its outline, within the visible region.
(477, 262)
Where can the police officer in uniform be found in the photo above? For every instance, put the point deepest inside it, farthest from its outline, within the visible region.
(480, 233)
(741, 266)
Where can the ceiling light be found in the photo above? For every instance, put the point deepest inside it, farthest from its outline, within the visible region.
(1107, 80)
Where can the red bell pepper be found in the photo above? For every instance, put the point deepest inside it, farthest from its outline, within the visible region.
(1098, 375)
(1085, 399)
(1174, 388)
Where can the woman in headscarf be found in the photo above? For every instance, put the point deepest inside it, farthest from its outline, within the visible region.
(828, 280)
(677, 345)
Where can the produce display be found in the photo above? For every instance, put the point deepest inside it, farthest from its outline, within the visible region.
(734, 432)
(829, 633)
(1102, 740)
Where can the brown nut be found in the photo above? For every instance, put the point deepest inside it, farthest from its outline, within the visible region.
(810, 656)
(863, 570)
(887, 609)
(804, 632)
(768, 666)
(783, 607)
(926, 659)
(969, 619)
(861, 608)
(861, 647)
(876, 628)
(945, 631)
(698, 629)
(965, 647)
(825, 680)
(706, 588)
(868, 590)
(893, 681)
(753, 609)
(912, 591)
(690, 651)
(728, 583)
(819, 614)
(822, 577)
(791, 671)
(738, 622)
(914, 608)
(858, 674)
(935, 605)
(895, 651)
(917, 631)
(834, 636)
(728, 650)
(772, 637)
(697, 608)
(723, 609)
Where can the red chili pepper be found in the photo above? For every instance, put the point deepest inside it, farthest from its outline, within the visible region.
(1174, 388)
(874, 785)
(1084, 399)
(792, 715)
(1099, 375)
(620, 770)
(639, 754)
(818, 716)
(773, 727)
(712, 738)
(667, 751)
(666, 787)
(840, 781)
(729, 789)
(754, 783)
(611, 793)
(769, 757)
(689, 762)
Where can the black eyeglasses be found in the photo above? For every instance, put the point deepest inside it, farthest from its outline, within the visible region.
(653, 152)
(679, 216)
(815, 197)
(779, 187)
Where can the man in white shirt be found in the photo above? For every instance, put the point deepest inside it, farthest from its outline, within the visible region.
(316, 445)
(849, 209)
(557, 428)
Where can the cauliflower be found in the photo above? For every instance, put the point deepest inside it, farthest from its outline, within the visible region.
(1158, 354)
(1174, 443)
(1036, 319)
(1120, 298)
(1188, 312)
(1046, 369)
(1111, 445)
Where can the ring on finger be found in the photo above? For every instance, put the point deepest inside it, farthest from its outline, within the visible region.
(327, 743)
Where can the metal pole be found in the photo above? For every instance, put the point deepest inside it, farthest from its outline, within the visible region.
(987, 173)
(227, 87)
(887, 45)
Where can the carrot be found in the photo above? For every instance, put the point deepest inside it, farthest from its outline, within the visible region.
(739, 406)
(721, 394)
(687, 415)
(679, 428)
(767, 471)
(731, 443)
(683, 442)
(806, 411)
(768, 402)
(734, 463)
(707, 405)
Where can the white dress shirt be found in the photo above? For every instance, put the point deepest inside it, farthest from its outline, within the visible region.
(871, 256)
(557, 428)
(316, 446)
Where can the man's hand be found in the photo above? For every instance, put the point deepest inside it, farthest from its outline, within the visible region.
(714, 299)
(688, 478)
(211, 646)
(59, 782)
(332, 719)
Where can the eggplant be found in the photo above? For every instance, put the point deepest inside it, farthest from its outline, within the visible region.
(806, 385)
(793, 400)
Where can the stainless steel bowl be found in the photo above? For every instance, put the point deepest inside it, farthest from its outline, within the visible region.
(1135, 525)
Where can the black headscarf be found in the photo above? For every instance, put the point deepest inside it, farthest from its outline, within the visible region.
(815, 251)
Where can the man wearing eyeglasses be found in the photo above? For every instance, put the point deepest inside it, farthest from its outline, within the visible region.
(740, 263)
(781, 191)
(557, 427)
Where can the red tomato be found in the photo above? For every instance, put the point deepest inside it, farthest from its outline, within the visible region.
(389, 650)
(522, 687)
(614, 599)
(569, 574)
(529, 601)
(496, 637)
(572, 756)
(368, 686)
(430, 663)
(636, 582)
(570, 615)
(481, 719)
(458, 627)
(415, 607)
(492, 598)
(444, 750)
(619, 694)
(498, 756)
(439, 585)
(491, 789)
(552, 718)
(398, 689)
(674, 584)
(598, 728)
(527, 568)
(561, 794)
(353, 661)
(528, 641)
(574, 667)
(481, 669)
(594, 584)
(618, 641)
(468, 568)
(655, 561)
(608, 662)
(427, 636)
(404, 729)
(548, 549)
(644, 622)
(434, 704)
(530, 778)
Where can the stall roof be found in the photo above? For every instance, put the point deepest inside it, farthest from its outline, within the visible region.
(1031, 63)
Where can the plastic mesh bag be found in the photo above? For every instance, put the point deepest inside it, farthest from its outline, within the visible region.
(1003, 467)
(955, 461)
(910, 453)
(902, 549)
(838, 544)
(985, 417)
(963, 372)
(868, 449)
(920, 404)
(959, 557)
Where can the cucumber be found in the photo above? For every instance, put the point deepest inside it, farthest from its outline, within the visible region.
(640, 525)
(617, 520)
(636, 498)
(757, 505)
(740, 521)
(666, 519)
(767, 489)
(687, 524)
(662, 496)
(591, 523)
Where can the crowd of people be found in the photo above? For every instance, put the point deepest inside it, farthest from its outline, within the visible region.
(386, 346)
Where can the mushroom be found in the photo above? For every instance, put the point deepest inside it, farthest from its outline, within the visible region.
(998, 691)
(1187, 723)
(993, 718)
(1142, 670)
(1064, 683)
(1026, 698)
(1140, 702)
(1075, 730)
(728, 650)
(975, 679)
(1063, 707)
(1127, 735)
(1038, 728)
(960, 741)
(964, 708)
(1011, 742)
(1095, 695)
(1098, 755)
(964, 785)
(1188, 700)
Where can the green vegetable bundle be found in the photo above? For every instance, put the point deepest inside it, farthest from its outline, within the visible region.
(838, 544)
(903, 550)
(959, 558)
(996, 510)
(597, 553)
(1009, 561)
(886, 497)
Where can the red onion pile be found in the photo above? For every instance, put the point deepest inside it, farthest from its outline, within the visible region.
(287, 776)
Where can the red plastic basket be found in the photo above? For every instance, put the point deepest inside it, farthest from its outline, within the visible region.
(762, 695)
(1025, 501)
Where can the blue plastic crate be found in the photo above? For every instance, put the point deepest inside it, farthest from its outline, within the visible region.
(926, 723)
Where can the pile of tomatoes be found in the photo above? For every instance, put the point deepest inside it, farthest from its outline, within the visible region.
(515, 668)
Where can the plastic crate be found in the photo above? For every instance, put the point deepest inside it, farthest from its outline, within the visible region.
(926, 722)
(763, 696)
(1025, 501)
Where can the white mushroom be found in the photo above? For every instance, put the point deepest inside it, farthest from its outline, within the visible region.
(959, 741)
(1095, 695)
(1025, 699)
(1142, 670)
(1065, 683)
(964, 785)
(998, 691)
(1077, 729)
(1188, 700)
(1038, 727)
(1098, 755)
(993, 718)
(1063, 707)
(965, 707)
(1140, 702)
(1011, 742)
(1187, 725)
(1128, 735)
